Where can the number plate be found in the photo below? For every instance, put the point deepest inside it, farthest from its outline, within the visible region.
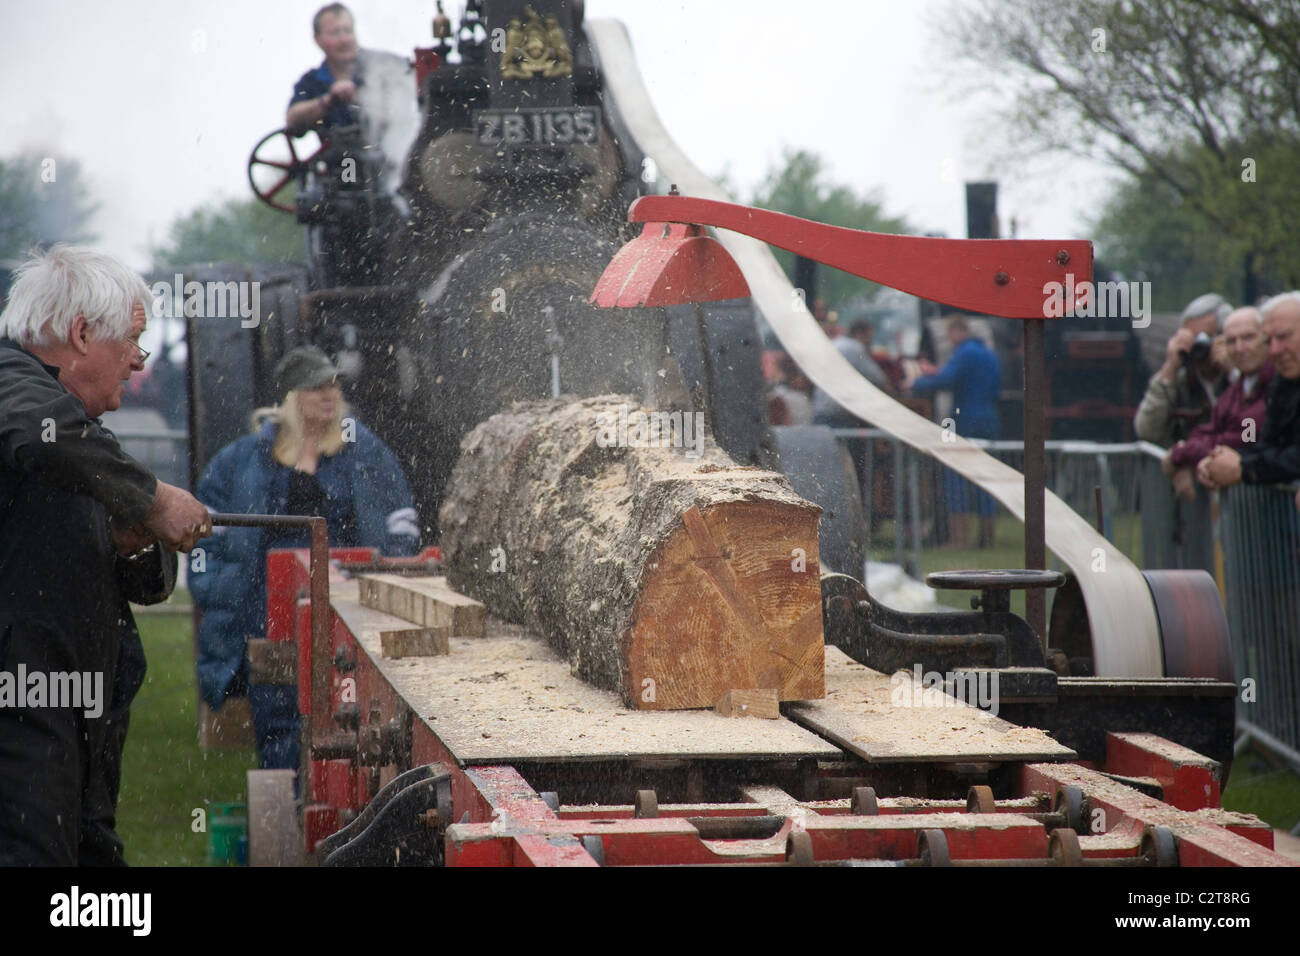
(537, 127)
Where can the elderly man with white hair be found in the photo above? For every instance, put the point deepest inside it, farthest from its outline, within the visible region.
(84, 528)
(1275, 458)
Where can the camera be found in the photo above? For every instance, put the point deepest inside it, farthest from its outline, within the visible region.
(1200, 349)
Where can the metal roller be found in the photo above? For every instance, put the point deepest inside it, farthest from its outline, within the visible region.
(1193, 627)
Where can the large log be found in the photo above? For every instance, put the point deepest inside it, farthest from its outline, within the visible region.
(671, 575)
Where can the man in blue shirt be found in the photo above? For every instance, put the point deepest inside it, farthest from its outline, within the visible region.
(974, 376)
(322, 95)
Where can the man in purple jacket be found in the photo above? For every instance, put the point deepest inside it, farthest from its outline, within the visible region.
(1238, 415)
(1275, 457)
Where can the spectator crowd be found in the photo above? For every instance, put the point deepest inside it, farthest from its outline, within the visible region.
(1226, 401)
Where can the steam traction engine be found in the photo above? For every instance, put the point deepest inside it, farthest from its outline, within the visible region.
(451, 274)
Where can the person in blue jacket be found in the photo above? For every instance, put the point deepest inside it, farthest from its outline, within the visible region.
(974, 376)
(307, 458)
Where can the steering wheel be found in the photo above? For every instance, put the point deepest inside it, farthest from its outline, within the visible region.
(293, 168)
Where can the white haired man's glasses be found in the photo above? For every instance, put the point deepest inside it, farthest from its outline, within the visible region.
(144, 353)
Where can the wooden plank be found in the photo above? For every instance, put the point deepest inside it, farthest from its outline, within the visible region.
(467, 616)
(428, 602)
(757, 702)
(415, 642)
(510, 697)
(863, 713)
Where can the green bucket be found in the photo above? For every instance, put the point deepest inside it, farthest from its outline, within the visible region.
(228, 834)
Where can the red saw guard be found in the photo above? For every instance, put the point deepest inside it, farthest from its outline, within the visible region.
(675, 264)
(669, 264)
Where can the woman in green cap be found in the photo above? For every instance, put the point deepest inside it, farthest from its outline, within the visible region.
(306, 456)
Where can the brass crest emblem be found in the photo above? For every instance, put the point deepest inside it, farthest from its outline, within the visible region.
(535, 48)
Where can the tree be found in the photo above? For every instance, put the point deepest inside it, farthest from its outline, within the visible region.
(1195, 102)
(1146, 233)
(799, 187)
(43, 200)
(238, 230)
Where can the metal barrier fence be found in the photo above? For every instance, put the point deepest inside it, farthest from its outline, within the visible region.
(1260, 532)
(1140, 514)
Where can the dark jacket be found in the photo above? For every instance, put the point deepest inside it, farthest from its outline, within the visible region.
(364, 480)
(1275, 459)
(1228, 420)
(63, 608)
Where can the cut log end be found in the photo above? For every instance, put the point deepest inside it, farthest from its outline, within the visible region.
(731, 601)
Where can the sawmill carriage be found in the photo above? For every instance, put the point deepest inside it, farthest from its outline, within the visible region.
(564, 690)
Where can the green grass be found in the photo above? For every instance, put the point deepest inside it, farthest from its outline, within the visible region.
(1258, 785)
(165, 775)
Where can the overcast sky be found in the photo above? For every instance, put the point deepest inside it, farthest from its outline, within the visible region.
(162, 100)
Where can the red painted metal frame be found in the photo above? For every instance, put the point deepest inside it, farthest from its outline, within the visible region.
(523, 830)
(1007, 277)
(1205, 836)
(515, 827)
(509, 824)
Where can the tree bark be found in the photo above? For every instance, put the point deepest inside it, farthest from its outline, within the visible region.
(670, 575)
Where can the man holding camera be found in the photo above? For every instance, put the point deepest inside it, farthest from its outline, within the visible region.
(1183, 391)
(1181, 396)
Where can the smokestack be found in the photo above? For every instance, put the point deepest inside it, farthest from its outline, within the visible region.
(982, 210)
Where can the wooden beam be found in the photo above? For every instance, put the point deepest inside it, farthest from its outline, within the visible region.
(428, 602)
(415, 642)
(759, 702)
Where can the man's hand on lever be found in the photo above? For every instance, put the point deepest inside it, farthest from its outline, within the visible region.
(177, 518)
